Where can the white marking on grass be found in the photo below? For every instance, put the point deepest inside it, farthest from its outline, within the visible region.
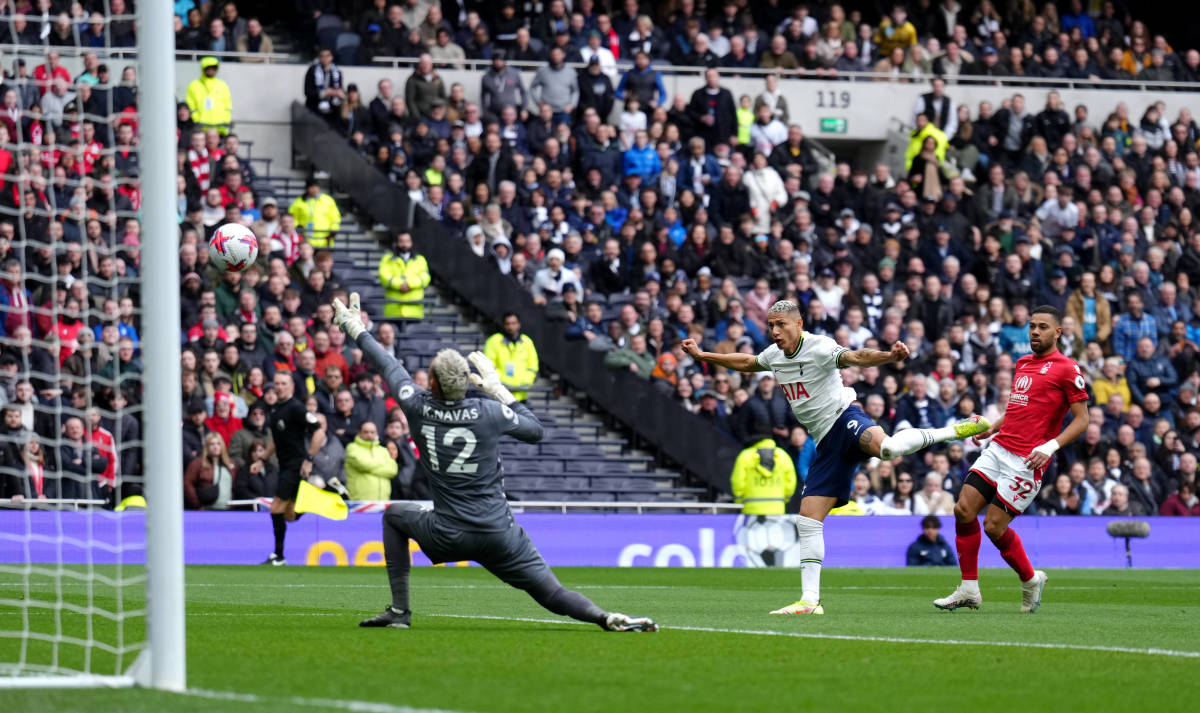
(879, 639)
(1151, 651)
(356, 706)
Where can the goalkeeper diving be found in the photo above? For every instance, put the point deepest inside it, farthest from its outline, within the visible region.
(470, 520)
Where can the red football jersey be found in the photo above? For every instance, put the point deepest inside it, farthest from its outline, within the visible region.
(1042, 391)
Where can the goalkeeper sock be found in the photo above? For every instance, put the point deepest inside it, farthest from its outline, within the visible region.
(564, 602)
(399, 562)
(812, 552)
(911, 440)
(279, 525)
(966, 540)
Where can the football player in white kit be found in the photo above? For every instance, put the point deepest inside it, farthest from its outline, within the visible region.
(807, 367)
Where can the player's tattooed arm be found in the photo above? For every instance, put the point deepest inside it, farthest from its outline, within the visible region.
(873, 357)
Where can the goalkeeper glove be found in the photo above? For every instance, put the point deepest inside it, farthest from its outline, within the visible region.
(349, 319)
(488, 379)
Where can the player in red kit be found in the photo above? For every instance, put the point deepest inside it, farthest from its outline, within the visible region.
(1008, 474)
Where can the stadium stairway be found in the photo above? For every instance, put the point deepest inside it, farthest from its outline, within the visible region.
(581, 457)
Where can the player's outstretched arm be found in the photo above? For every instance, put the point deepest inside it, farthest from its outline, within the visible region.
(349, 320)
(874, 357)
(737, 362)
(1041, 455)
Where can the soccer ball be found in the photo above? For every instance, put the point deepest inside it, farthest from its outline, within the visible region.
(233, 247)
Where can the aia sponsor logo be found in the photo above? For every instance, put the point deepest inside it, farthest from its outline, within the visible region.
(794, 390)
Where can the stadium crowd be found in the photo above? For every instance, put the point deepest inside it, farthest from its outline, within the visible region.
(640, 223)
(672, 217)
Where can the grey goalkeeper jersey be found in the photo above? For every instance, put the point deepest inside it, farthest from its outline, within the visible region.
(459, 443)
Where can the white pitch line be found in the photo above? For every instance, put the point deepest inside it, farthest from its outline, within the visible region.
(880, 639)
(797, 634)
(355, 706)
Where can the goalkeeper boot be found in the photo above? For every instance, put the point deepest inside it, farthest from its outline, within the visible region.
(959, 598)
(620, 622)
(972, 426)
(390, 618)
(1031, 592)
(275, 560)
(801, 607)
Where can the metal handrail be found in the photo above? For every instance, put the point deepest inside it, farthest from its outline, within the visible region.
(563, 506)
(1022, 80)
(131, 53)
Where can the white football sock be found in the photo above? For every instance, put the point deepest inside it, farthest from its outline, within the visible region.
(812, 552)
(970, 586)
(912, 440)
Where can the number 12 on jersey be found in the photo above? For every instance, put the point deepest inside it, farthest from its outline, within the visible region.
(451, 437)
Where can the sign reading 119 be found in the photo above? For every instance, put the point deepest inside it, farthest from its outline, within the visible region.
(833, 100)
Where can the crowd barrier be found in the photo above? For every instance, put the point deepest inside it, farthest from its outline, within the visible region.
(603, 540)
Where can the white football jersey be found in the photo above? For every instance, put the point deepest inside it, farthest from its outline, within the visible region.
(811, 381)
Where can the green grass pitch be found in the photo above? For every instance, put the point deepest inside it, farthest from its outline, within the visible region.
(267, 639)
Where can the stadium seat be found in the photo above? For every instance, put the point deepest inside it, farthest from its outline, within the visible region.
(346, 48)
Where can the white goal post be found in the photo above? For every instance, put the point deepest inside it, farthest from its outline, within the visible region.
(75, 622)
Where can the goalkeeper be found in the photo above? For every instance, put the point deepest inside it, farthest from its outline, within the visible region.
(458, 439)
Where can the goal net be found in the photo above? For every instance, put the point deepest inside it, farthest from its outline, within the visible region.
(76, 341)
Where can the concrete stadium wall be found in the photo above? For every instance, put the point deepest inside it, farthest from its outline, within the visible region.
(263, 93)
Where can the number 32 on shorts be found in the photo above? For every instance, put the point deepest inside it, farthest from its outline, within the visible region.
(1021, 488)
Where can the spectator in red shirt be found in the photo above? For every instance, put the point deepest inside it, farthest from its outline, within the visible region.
(223, 421)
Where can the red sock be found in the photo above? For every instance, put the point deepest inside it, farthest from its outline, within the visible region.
(966, 540)
(1013, 553)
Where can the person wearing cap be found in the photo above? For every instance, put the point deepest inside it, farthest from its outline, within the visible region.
(193, 430)
(316, 214)
(268, 222)
(593, 48)
(595, 92)
(404, 276)
(209, 99)
(501, 86)
(1055, 293)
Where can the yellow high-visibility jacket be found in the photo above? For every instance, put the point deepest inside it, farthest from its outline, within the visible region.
(516, 361)
(395, 271)
(369, 470)
(210, 102)
(318, 218)
(763, 491)
(916, 140)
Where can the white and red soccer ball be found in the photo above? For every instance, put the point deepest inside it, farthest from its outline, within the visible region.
(233, 247)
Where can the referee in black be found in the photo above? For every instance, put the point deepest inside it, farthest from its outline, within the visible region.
(470, 520)
(291, 426)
